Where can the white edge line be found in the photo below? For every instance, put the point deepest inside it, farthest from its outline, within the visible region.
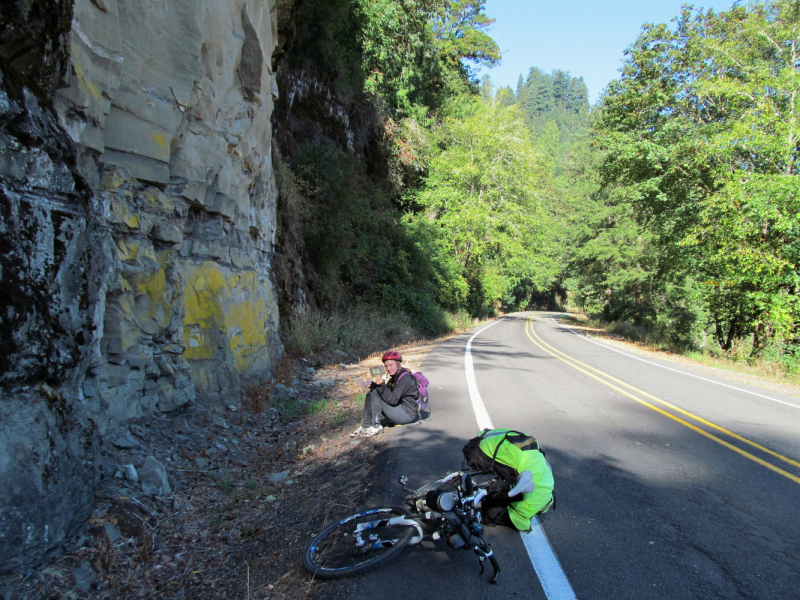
(588, 339)
(551, 575)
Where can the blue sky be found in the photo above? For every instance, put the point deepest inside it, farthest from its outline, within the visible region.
(584, 37)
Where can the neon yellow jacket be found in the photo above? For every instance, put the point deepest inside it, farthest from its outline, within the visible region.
(517, 452)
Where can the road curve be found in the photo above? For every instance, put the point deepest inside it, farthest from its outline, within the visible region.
(669, 486)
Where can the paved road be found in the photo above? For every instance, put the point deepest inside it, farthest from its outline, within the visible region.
(669, 486)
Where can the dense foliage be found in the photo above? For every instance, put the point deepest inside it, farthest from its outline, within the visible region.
(673, 204)
(483, 197)
(699, 189)
(445, 209)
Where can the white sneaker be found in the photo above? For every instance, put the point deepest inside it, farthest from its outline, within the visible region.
(359, 432)
(367, 431)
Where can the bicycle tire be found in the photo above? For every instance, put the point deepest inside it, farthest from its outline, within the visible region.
(330, 556)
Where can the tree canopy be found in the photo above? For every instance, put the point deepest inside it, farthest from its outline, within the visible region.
(701, 131)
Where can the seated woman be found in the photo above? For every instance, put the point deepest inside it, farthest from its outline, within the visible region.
(395, 399)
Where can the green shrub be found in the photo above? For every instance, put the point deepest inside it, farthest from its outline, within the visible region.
(318, 406)
(288, 408)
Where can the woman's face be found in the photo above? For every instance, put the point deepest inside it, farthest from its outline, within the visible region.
(392, 367)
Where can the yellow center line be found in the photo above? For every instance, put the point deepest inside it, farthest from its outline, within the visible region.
(665, 403)
(573, 363)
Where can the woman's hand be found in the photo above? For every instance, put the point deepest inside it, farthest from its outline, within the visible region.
(378, 380)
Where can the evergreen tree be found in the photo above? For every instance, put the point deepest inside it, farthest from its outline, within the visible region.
(487, 89)
(505, 96)
(578, 98)
(539, 93)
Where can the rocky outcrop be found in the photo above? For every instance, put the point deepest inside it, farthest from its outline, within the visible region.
(137, 221)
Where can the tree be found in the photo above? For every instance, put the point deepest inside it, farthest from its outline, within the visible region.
(505, 96)
(459, 27)
(702, 130)
(487, 89)
(484, 193)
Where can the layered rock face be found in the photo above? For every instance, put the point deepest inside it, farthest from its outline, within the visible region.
(137, 219)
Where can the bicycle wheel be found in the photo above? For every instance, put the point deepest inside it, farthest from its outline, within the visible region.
(344, 549)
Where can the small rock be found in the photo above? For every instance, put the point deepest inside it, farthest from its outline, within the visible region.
(278, 477)
(153, 477)
(125, 442)
(211, 451)
(325, 383)
(201, 463)
(181, 425)
(221, 447)
(83, 576)
(232, 408)
(340, 353)
(7, 588)
(220, 422)
(111, 531)
(138, 431)
(108, 469)
(280, 391)
(270, 498)
(129, 472)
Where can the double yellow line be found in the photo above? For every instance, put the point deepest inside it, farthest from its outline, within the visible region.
(618, 385)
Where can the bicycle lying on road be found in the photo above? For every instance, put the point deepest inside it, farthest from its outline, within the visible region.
(363, 540)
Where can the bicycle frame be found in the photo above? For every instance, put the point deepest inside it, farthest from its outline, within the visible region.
(365, 539)
(464, 520)
(377, 542)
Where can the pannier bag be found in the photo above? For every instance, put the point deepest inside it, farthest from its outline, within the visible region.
(507, 453)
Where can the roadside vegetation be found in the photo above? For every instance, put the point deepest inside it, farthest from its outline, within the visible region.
(669, 211)
(686, 225)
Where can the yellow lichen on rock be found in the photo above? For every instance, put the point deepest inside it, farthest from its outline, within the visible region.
(163, 145)
(120, 213)
(158, 202)
(153, 298)
(220, 302)
(86, 85)
(130, 250)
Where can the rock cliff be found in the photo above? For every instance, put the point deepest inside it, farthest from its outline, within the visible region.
(137, 223)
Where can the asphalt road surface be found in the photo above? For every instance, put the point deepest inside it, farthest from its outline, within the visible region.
(669, 484)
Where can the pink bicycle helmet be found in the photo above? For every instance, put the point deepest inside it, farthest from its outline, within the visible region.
(391, 355)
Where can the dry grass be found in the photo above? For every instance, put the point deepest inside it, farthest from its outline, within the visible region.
(356, 332)
(764, 369)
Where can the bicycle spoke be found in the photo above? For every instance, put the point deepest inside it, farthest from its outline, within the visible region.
(358, 541)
